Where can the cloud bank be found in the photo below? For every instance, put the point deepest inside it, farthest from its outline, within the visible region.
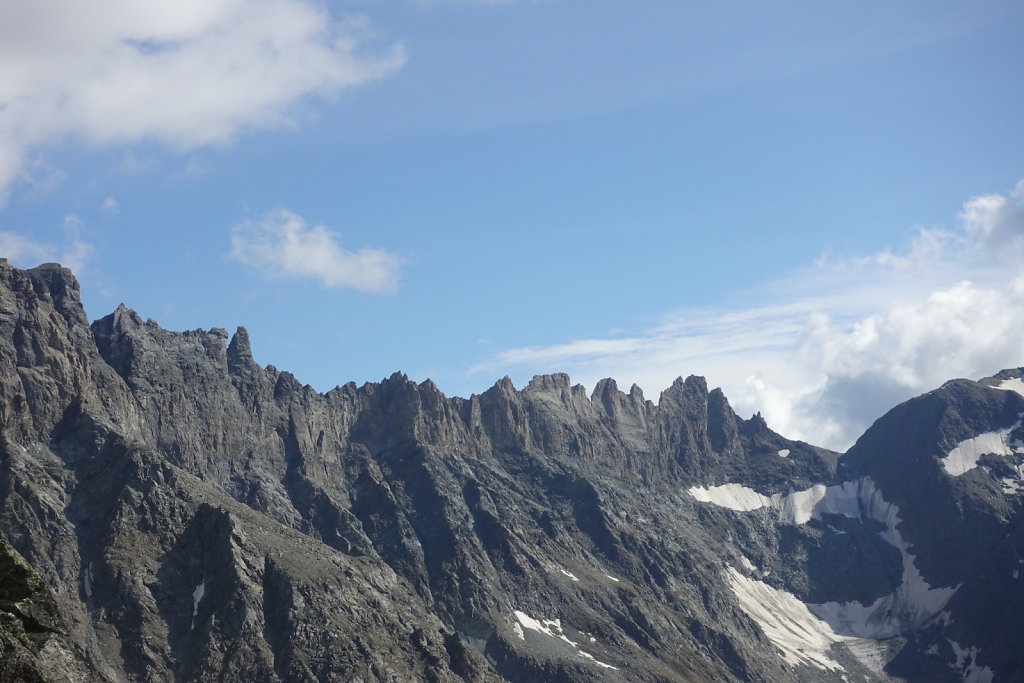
(283, 246)
(186, 73)
(830, 348)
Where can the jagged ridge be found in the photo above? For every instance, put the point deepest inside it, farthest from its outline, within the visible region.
(200, 516)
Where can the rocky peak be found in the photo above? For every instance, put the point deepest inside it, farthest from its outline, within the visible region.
(503, 386)
(45, 338)
(200, 517)
(605, 389)
(239, 349)
(723, 425)
(61, 286)
(607, 396)
(693, 388)
(241, 364)
(557, 383)
(1003, 377)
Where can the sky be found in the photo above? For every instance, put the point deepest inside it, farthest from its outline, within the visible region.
(818, 206)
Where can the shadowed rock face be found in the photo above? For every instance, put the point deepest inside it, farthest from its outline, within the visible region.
(33, 640)
(191, 515)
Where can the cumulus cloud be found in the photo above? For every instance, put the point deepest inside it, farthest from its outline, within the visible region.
(186, 73)
(282, 246)
(26, 252)
(995, 221)
(859, 371)
(832, 347)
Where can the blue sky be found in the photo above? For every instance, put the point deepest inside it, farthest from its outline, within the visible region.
(816, 205)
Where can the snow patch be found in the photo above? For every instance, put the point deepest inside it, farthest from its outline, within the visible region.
(478, 644)
(914, 601)
(88, 581)
(569, 574)
(553, 629)
(197, 597)
(548, 627)
(965, 456)
(733, 496)
(795, 507)
(1015, 384)
(802, 637)
(799, 507)
(519, 631)
(750, 566)
(594, 660)
(612, 578)
(1013, 485)
(912, 604)
(873, 654)
(784, 453)
(967, 665)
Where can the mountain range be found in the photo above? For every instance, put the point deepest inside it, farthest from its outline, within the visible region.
(173, 511)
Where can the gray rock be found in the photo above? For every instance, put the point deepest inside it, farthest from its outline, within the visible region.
(198, 517)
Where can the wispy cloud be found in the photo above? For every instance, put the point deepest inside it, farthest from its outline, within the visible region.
(74, 252)
(187, 74)
(283, 246)
(828, 349)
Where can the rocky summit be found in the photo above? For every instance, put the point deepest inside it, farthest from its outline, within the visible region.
(173, 511)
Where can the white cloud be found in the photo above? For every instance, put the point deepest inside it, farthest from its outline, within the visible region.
(995, 221)
(282, 245)
(26, 252)
(186, 73)
(861, 370)
(110, 205)
(833, 346)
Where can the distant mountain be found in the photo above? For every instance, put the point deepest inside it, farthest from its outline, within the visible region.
(173, 511)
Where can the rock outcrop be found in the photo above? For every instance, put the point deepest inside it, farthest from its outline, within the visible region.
(192, 516)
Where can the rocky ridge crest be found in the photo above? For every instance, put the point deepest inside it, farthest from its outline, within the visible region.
(197, 516)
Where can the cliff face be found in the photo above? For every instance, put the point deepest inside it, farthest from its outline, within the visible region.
(199, 517)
